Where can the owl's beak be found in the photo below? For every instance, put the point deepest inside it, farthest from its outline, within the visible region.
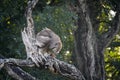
(57, 52)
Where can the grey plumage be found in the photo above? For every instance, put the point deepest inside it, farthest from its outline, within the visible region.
(48, 41)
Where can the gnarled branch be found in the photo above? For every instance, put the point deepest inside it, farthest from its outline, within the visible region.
(61, 67)
(15, 71)
(115, 27)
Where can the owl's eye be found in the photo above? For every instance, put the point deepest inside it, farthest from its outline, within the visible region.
(56, 44)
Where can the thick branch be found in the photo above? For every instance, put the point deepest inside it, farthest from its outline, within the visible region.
(109, 35)
(19, 62)
(70, 71)
(94, 11)
(28, 14)
(87, 42)
(30, 22)
(16, 72)
(61, 67)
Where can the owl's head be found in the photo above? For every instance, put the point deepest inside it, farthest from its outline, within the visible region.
(56, 47)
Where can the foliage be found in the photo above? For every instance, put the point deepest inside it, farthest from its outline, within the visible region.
(112, 52)
(112, 59)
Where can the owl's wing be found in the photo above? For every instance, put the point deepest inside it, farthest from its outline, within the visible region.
(42, 41)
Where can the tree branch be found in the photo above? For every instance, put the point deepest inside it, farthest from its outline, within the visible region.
(28, 14)
(18, 62)
(61, 67)
(109, 35)
(16, 72)
(87, 42)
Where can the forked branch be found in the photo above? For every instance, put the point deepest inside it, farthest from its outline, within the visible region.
(115, 27)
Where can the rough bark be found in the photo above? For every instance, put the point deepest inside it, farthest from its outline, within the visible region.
(46, 62)
(86, 43)
(15, 71)
(89, 49)
(61, 67)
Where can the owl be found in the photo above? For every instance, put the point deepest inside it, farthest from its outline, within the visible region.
(48, 42)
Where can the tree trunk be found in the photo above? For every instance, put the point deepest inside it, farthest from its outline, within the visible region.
(89, 57)
(89, 49)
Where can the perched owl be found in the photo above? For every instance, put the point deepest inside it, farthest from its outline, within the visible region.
(49, 42)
